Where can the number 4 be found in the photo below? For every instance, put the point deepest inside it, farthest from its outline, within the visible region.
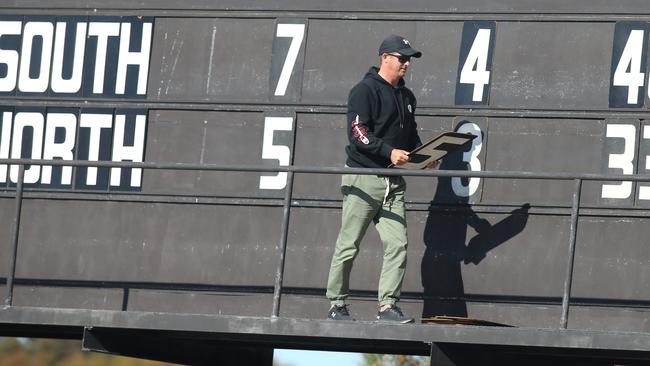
(629, 65)
(475, 63)
(475, 68)
(631, 60)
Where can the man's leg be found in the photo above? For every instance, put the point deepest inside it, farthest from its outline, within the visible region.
(359, 208)
(391, 225)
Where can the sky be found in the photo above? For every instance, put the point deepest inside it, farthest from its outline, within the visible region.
(287, 357)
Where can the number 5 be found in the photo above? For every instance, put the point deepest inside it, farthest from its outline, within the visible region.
(276, 152)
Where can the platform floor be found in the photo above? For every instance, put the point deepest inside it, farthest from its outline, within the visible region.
(328, 335)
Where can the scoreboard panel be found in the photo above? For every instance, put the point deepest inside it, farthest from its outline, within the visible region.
(210, 137)
(211, 60)
(552, 65)
(609, 246)
(146, 238)
(560, 145)
(546, 87)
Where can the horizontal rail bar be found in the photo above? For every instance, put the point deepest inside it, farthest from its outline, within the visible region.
(214, 11)
(332, 170)
(320, 292)
(328, 108)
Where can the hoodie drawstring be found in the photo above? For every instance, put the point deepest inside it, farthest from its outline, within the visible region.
(387, 190)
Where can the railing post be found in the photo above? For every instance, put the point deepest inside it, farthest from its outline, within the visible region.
(573, 231)
(14, 237)
(279, 272)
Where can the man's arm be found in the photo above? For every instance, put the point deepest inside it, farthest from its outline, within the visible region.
(361, 126)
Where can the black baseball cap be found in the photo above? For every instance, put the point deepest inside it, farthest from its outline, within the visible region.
(395, 43)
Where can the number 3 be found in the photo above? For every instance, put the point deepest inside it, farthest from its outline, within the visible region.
(470, 157)
(622, 161)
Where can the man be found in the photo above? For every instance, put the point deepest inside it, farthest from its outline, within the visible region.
(381, 131)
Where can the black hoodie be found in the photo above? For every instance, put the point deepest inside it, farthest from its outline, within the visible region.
(380, 118)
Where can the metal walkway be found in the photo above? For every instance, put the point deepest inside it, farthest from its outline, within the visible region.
(102, 329)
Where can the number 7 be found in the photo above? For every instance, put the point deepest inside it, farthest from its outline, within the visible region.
(297, 33)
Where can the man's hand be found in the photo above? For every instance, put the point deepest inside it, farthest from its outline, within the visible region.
(434, 164)
(399, 157)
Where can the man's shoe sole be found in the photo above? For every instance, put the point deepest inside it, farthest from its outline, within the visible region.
(407, 321)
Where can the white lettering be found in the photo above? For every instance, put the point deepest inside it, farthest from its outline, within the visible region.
(133, 153)
(53, 136)
(63, 150)
(296, 32)
(5, 140)
(22, 121)
(281, 153)
(140, 58)
(471, 157)
(631, 60)
(44, 30)
(644, 191)
(95, 122)
(623, 161)
(34, 63)
(9, 57)
(72, 85)
(475, 70)
(102, 31)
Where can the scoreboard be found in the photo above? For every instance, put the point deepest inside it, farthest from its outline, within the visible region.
(546, 87)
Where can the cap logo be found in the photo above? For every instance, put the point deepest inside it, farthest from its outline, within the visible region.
(406, 42)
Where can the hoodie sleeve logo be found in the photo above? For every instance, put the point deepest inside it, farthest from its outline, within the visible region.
(359, 131)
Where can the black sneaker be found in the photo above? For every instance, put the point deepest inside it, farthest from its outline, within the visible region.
(393, 314)
(339, 312)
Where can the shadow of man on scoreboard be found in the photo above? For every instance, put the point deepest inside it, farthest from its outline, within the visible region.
(447, 247)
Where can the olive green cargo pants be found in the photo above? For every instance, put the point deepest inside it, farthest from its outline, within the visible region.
(369, 198)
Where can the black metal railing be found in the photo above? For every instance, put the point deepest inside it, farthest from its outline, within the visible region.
(292, 170)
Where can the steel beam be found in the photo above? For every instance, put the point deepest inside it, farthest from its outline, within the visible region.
(360, 336)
